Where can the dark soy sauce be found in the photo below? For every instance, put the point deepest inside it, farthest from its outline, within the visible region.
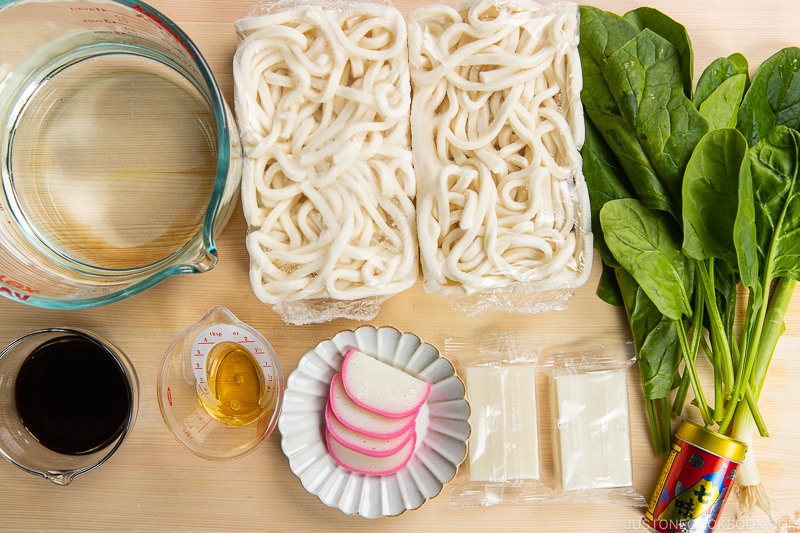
(72, 395)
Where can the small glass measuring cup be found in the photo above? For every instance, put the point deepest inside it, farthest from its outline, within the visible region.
(220, 388)
(120, 158)
(66, 432)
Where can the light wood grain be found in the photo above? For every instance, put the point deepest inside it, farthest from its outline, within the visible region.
(153, 484)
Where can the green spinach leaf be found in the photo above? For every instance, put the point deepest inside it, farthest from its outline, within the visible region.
(744, 234)
(603, 33)
(711, 195)
(604, 180)
(674, 32)
(644, 76)
(719, 71)
(647, 245)
(602, 110)
(773, 98)
(721, 108)
(776, 197)
(654, 336)
(741, 62)
(608, 288)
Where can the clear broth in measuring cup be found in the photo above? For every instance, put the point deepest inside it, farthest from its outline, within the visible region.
(72, 395)
(120, 161)
(113, 157)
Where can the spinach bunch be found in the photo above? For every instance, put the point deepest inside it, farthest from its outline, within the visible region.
(695, 202)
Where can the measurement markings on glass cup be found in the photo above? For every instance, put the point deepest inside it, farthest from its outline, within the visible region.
(141, 23)
(138, 29)
(15, 289)
(196, 423)
(4, 214)
(199, 368)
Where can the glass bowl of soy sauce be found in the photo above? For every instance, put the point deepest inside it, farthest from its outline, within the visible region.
(68, 399)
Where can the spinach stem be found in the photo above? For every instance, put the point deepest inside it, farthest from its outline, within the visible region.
(773, 327)
(680, 395)
(666, 427)
(652, 418)
(719, 406)
(723, 361)
(697, 329)
(753, 346)
(658, 415)
(750, 356)
(753, 304)
(752, 404)
(735, 351)
(760, 357)
(702, 405)
(697, 338)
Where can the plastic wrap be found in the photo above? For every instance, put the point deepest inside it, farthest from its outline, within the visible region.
(580, 391)
(497, 125)
(322, 98)
(591, 424)
(503, 460)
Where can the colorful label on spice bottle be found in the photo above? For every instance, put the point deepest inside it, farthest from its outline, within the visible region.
(694, 484)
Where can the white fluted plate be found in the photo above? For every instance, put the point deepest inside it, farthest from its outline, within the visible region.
(442, 425)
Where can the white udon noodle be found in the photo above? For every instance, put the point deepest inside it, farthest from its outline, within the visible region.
(323, 101)
(496, 128)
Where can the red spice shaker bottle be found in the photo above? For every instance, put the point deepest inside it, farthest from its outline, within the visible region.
(695, 482)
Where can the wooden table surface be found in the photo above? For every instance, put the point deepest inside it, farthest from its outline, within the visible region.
(153, 484)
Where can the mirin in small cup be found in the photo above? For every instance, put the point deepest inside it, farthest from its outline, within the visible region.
(220, 388)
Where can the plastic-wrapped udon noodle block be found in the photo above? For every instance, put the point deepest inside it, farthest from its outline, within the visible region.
(322, 99)
(497, 125)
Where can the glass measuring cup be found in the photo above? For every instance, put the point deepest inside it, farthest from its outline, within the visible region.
(60, 432)
(120, 158)
(220, 388)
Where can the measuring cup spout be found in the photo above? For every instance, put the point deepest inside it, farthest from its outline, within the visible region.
(61, 478)
(205, 261)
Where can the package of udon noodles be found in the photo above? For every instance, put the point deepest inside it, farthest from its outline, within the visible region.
(322, 100)
(496, 126)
